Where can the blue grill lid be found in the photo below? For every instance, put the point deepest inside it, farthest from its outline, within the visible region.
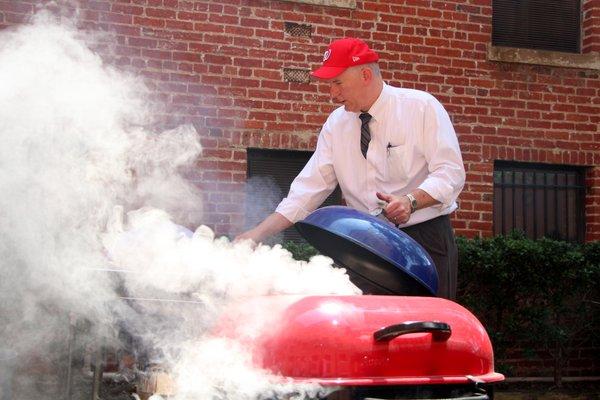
(381, 259)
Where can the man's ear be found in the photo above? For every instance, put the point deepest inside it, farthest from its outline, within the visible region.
(366, 74)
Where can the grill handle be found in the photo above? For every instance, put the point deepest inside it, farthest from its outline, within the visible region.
(440, 331)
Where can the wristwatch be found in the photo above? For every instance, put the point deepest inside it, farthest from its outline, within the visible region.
(413, 202)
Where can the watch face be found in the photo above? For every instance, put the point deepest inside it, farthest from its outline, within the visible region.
(413, 203)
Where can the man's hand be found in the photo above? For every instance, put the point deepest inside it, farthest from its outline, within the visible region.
(398, 208)
(248, 235)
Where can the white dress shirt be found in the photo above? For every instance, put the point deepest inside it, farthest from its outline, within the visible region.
(413, 145)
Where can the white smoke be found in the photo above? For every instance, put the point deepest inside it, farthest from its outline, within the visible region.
(235, 376)
(87, 187)
(264, 195)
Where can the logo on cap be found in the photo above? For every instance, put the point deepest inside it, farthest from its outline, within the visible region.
(327, 55)
(355, 59)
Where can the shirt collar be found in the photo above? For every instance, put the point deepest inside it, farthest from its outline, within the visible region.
(378, 108)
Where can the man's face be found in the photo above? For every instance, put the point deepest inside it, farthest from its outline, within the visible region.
(348, 88)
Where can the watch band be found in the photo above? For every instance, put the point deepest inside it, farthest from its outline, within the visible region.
(413, 202)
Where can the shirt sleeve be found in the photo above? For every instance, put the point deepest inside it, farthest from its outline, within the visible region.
(446, 176)
(313, 184)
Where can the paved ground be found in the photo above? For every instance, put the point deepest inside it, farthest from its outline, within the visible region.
(547, 391)
(44, 387)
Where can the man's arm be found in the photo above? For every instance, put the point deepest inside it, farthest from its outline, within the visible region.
(440, 147)
(271, 225)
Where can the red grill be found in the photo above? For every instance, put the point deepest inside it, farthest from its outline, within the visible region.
(382, 345)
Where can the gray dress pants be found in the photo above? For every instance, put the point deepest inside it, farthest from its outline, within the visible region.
(437, 237)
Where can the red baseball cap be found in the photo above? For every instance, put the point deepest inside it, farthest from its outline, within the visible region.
(342, 54)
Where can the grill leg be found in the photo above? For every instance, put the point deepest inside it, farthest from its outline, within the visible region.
(97, 361)
(70, 345)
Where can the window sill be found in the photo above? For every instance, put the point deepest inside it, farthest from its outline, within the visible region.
(544, 57)
(328, 3)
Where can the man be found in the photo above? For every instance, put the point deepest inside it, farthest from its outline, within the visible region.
(388, 148)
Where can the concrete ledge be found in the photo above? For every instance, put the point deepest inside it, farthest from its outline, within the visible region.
(328, 3)
(544, 57)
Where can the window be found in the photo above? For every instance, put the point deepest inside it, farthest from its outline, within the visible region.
(270, 174)
(541, 200)
(537, 24)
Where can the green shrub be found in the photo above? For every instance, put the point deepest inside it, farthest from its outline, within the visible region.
(539, 293)
(300, 251)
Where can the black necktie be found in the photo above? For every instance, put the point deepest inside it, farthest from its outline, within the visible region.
(365, 134)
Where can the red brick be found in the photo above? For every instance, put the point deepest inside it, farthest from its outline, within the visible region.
(254, 22)
(160, 13)
(224, 19)
(127, 9)
(115, 18)
(262, 116)
(154, 22)
(21, 7)
(192, 16)
(179, 25)
(217, 59)
(482, 226)
(252, 124)
(217, 153)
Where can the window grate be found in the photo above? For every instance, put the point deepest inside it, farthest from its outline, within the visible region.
(540, 200)
(270, 174)
(537, 24)
(296, 75)
(298, 30)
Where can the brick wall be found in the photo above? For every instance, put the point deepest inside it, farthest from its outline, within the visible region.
(219, 65)
(591, 26)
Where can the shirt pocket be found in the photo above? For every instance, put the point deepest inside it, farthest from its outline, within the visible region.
(396, 163)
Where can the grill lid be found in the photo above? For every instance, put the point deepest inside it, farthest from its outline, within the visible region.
(365, 340)
(381, 259)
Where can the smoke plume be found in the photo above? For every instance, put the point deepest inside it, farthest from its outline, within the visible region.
(92, 207)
